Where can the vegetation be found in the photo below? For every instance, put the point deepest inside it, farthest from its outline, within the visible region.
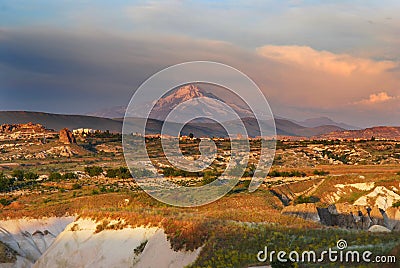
(294, 173)
(55, 176)
(18, 174)
(230, 230)
(5, 182)
(320, 172)
(76, 186)
(306, 199)
(174, 172)
(245, 241)
(94, 171)
(30, 176)
(69, 176)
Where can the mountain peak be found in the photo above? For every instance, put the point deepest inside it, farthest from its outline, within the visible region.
(188, 91)
(182, 94)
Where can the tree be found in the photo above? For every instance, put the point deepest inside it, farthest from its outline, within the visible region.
(31, 176)
(55, 176)
(69, 176)
(5, 183)
(121, 172)
(191, 135)
(93, 171)
(18, 174)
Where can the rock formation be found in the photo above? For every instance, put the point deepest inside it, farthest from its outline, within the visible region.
(27, 128)
(66, 136)
(347, 216)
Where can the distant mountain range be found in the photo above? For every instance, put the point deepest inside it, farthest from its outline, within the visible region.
(201, 102)
(284, 127)
(324, 121)
(59, 121)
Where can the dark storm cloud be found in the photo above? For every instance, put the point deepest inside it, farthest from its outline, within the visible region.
(69, 69)
(63, 71)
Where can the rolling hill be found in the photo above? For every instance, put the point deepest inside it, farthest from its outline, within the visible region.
(59, 121)
(380, 132)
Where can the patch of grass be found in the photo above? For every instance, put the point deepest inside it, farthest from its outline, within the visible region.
(76, 186)
(352, 197)
(320, 172)
(306, 199)
(245, 241)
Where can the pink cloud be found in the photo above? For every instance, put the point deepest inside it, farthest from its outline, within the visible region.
(377, 98)
(338, 64)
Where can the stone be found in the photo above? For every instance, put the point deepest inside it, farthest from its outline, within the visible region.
(66, 136)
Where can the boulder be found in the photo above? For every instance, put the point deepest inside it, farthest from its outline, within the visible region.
(378, 229)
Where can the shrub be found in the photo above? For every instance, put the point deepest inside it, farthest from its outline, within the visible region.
(31, 176)
(55, 176)
(320, 172)
(396, 205)
(93, 171)
(5, 202)
(5, 183)
(294, 173)
(306, 199)
(124, 173)
(18, 174)
(69, 176)
(111, 173)
(76, 186)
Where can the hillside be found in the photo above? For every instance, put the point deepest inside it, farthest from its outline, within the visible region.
(59, 121)
(321, 121)
(381, 132)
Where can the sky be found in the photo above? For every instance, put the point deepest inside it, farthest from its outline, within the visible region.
(339, 59)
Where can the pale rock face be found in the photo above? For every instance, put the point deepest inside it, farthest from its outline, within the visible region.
(363, 186)
(158, 253)
(30, 238)
(380, 197)
(63, 242)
